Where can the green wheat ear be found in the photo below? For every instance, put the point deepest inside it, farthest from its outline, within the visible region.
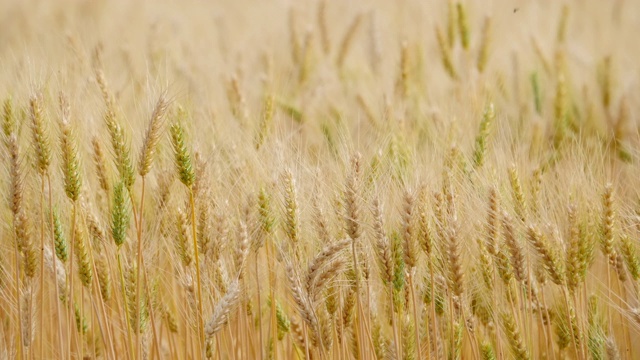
(70, 157)
(59, 238)
(487, 350)
(537, 95)
(267, 218)
(268, 111)
(119, 141)
(182, 156)
(119, 214)
(463, 25)
(445, 52)
(82, 256)
(481, 140)
(483, 53)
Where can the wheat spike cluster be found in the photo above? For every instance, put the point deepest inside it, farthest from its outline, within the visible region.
(320, 179)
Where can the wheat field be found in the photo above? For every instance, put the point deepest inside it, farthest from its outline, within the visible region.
(320, 179)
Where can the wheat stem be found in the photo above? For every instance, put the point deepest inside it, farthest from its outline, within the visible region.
(259, 308)
(42, 300)
(196, 255)
(61, 346)
(126, 307)
(19, 307)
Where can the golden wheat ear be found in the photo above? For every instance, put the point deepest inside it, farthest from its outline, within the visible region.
(40, 133)
(8, 118)
(152, 137)
(71, 166)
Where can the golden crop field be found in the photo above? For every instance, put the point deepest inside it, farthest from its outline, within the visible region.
(320, 179)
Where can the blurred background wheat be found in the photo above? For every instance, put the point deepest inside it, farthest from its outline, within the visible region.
(319, 179)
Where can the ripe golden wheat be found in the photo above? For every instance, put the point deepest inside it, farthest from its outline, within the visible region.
(394, 180)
